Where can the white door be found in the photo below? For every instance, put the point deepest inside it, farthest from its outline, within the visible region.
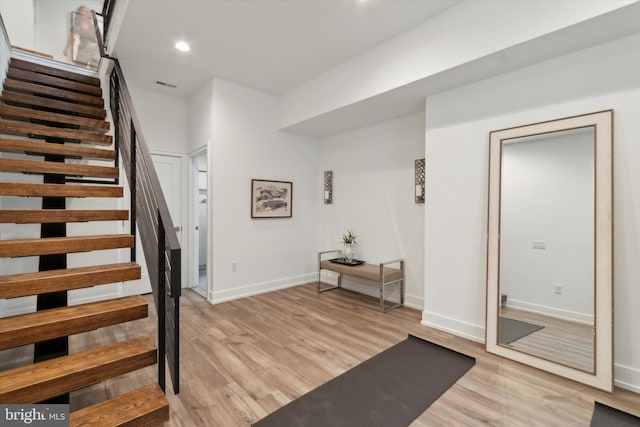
(169, 170)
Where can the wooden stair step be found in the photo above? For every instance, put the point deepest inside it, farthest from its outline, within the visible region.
(39, 68)
(41, 148)
(22, 113)
(44, 325)
(25, 284)
(15, 98)
(40, 216)
(32, 76)
(58, 190)
(58, 168)
(42, 131)
(144, 407)
(48, 91)
(43, 380)
(63, 245)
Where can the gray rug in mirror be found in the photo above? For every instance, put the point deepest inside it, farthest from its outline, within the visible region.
(606, 416)
(389, 390)
(510, 330)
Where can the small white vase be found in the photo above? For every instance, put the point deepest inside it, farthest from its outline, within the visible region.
(348, 252)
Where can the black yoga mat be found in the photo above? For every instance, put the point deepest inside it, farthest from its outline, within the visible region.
(391, 389)
(510, 330)
(606, 416)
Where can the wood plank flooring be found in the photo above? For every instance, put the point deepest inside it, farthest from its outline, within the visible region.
(245, 358)
(561, 341)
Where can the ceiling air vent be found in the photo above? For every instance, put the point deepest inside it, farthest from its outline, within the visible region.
(158, 82)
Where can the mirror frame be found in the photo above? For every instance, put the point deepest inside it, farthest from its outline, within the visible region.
(602, 122)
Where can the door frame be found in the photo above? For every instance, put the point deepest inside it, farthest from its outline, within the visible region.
(193, 266)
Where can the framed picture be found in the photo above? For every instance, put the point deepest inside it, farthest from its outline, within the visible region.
(82, 44)
(271, 199)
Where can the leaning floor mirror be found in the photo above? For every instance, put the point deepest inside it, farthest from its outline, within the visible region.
(550, 247)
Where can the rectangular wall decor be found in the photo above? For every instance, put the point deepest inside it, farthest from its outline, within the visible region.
(328, 187)
(419, 181)
(271, 199)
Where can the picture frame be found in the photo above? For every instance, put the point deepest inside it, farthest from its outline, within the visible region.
(84, 53)
(271, 199)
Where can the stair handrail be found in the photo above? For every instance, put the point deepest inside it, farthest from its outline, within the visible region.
(149, 214)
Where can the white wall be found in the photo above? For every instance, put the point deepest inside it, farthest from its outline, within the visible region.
(457, 126)
(373, 194)
(163, 119)
(19, 20)
(270, 253)
(451, 39)
(547, 195)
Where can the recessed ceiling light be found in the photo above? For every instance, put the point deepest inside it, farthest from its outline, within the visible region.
(182, 46)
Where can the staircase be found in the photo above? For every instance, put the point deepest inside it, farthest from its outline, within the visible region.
(50, 116)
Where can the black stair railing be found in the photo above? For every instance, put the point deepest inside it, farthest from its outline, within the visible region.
(149, 216)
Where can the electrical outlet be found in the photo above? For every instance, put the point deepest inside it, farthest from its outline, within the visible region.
(234, 266)
(539, 244)
(557, 289)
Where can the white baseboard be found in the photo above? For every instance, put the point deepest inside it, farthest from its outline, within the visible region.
(627, 378)
(414, 301)
(453, 326)
(556, 313)
(217, 297)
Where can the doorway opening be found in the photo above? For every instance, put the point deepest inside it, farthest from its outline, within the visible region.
(200, 218)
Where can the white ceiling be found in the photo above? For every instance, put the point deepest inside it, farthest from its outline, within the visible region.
(270, 45)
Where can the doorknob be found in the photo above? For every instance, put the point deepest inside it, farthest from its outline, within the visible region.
(197, 228)
(177, 228)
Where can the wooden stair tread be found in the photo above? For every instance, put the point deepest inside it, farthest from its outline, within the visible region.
(67, 150)
(39, 216)
(40, 381)
(38, 68)
(22, 113)
(146, 406)
(58, 168)
(13, 98)
(35, 130)
(63, 245)
(48, 91)
(24, 284)
(43, 325)
(58, 190)
(32, 76)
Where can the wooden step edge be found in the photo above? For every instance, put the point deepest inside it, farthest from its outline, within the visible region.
(44, 325)
(41, 131)
(58, 168)
(41, 148)
(59, 190)
(48, 91)
(23, 113)
(53, 81)
(25, 284)
(51, 71)
(144, 407)
(42, 216)
(53, 105)
(32, 52)
(42, 380)
(63, 245)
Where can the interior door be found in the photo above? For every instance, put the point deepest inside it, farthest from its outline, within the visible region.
(169, 170)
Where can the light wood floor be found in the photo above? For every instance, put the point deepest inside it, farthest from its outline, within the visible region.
(244, 359)
(561, 341)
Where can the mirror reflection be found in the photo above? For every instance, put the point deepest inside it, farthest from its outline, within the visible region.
(547, 246)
